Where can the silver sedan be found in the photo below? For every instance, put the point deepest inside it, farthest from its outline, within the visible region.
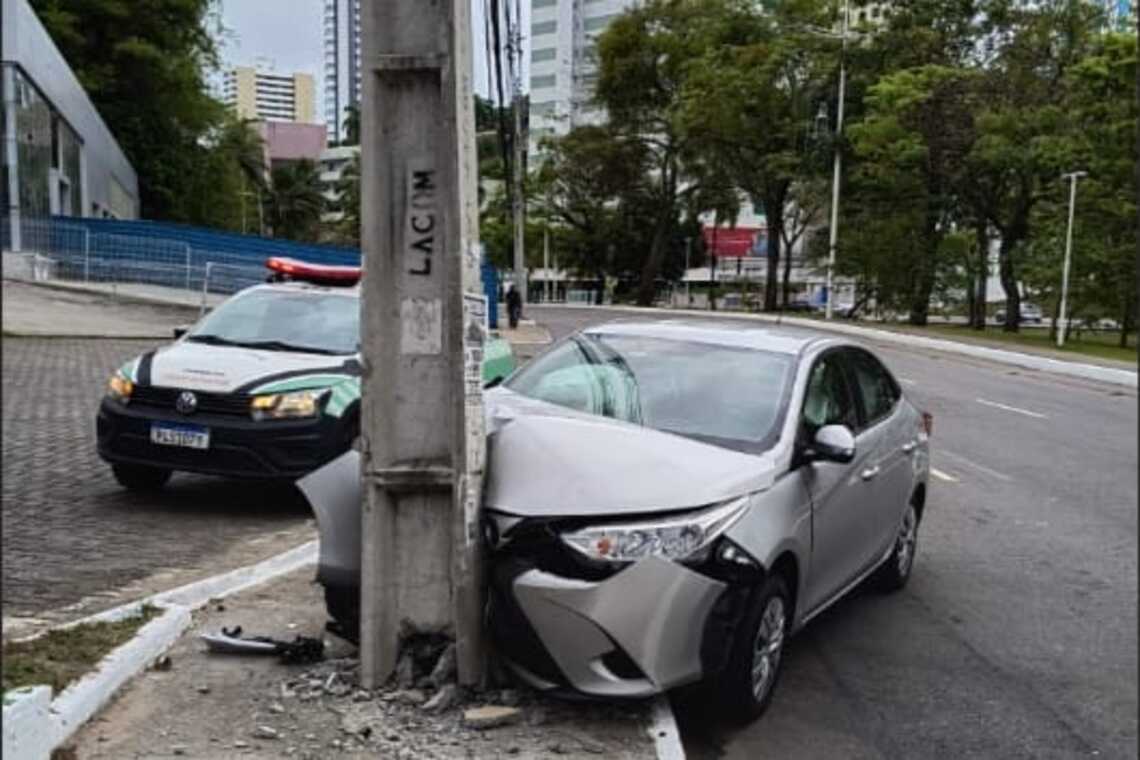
(669, 501)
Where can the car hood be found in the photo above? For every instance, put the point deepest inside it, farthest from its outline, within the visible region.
(547, 461)
(226, 369)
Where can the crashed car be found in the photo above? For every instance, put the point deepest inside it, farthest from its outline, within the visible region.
(666, 502)
(266, 386)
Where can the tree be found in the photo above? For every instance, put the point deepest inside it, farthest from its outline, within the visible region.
(143, 66)
(644, 56)
(295, 201)
(748, 110)
(912, 144)
(351, 125)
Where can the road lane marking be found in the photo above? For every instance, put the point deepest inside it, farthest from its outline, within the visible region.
(975, 465)
(907, 381)
(1014, 409)
(943, 476)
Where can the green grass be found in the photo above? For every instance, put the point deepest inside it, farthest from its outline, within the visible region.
(1104, 345)
(62, 656)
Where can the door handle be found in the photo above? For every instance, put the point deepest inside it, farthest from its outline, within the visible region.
(908, 447)
(869, 473)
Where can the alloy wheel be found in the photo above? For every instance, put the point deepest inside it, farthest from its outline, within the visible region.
(905, 543)
(768, 647)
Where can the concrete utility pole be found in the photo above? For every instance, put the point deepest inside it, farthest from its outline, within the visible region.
(834, 231)
(1072, 177)
(424, 324)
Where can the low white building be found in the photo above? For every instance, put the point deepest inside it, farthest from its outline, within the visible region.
(59, 157)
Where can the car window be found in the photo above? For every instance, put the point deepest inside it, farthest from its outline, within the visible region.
(724, 395)
(876, 388)
(303, 321)
(828, 399)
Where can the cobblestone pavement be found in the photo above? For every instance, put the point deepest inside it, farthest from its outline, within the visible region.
(73, 540)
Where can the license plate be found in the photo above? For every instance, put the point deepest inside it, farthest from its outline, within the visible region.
(188, 436)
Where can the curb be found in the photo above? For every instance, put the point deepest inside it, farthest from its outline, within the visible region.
(1096, 372)
(663, 729)
(35, 723)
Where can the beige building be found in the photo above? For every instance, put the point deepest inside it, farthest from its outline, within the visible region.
(270, 96)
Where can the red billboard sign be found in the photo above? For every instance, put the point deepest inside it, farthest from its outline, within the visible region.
(733, 242)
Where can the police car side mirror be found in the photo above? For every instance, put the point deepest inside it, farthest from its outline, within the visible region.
(180, 331)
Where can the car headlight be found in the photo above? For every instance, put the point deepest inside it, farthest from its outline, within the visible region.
(679, 537)
(278, 406)
(119, 387)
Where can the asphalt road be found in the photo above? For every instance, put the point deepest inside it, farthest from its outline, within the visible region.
(1017, 635)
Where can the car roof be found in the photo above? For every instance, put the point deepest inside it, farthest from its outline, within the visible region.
(735, 333)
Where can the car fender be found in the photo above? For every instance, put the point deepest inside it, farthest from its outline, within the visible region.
(777, 522)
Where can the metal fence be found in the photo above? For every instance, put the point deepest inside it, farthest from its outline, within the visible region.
(78, 253)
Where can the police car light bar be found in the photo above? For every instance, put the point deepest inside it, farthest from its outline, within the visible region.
(284, 268)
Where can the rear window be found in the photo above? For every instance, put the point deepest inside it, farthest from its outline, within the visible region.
(724, 395)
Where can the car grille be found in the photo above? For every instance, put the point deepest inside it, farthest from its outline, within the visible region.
(234, 404)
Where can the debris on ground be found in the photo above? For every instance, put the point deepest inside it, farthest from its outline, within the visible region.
(302, 649)
(490, 716)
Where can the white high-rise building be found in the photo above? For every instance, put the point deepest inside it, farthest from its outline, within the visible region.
(563, 63)
(342, 77)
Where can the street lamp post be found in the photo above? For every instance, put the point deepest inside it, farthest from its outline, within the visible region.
(834, 231)
(1072, 177)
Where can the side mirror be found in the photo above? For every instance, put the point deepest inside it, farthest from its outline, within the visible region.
(180, 331)
(833, 443)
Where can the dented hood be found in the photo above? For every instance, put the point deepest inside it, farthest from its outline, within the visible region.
(544, 460)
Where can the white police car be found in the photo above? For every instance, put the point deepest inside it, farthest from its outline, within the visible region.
(266, 386)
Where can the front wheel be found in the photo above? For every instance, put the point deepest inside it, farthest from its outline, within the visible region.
(893, 574)
(135, 477)
(750, 678)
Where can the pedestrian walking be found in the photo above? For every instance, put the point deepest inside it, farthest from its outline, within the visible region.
(514, 307)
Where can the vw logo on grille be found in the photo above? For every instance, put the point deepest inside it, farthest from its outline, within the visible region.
(187, 402)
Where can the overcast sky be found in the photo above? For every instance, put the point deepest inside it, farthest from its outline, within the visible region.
(288, 34)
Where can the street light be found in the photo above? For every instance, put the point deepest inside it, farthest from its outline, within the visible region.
(834, 231)
(1072, 177)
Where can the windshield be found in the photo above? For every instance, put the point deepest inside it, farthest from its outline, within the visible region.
(724, 395)
(284, 320)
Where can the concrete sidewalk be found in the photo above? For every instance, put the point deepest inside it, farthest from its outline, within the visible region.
(209, 705)
(39, 310)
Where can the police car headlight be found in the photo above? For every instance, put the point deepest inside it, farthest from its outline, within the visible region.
(277, 406)
(119, 387)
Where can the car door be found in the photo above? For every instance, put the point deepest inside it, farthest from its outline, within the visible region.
(841, 509)
(889, 433)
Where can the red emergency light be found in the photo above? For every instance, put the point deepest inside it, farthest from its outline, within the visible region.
(284, 268)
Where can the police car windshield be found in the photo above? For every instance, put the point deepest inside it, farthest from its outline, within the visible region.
(285, 320)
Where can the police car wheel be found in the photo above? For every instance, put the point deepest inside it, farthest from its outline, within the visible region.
(140, 478)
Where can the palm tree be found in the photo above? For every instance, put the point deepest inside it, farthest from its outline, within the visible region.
(242, 144)
(295, 201)
(351, 125)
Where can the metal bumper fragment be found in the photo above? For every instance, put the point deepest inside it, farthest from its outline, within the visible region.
(654, 611)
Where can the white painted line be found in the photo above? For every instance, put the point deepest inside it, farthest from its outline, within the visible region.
(907, 381)
(663, 729)
(1014, 409)
(943, 476)
(975, 465)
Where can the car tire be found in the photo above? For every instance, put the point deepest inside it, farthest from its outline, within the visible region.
(753, 669)
(135, 477)
(893, 574)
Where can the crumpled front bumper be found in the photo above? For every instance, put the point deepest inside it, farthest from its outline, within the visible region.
(633, 634)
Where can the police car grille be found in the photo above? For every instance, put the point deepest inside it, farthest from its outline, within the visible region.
(236, 404)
